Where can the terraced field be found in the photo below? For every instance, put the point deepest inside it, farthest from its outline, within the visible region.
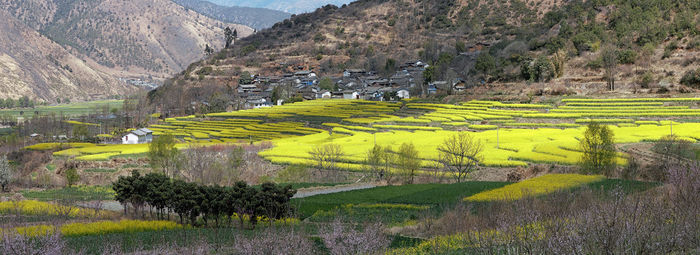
(513, 134)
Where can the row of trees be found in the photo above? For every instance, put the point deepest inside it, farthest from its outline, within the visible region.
(459, 156)
(191, 201)
(23, 102)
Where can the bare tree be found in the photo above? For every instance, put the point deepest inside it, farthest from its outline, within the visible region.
(341, 239)
(460, 155)
(6, 174)
(327, 156)
(609, 57)
(374, 161)
(408, 162)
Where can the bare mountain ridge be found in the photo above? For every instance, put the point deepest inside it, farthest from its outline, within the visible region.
(146, 38)
(45, 70)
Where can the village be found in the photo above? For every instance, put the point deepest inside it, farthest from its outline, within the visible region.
(266, 91)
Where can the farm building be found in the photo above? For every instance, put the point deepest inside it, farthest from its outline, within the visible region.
(142, 135)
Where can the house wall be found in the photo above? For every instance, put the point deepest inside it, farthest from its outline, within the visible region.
(130, 139)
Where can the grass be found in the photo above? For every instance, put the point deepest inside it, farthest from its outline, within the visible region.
(82, 193)
(100, 170)
(71, 109)
(148, 240)
(412, 194)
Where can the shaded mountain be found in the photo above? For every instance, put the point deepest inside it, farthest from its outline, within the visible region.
(291, 6)
(257, 18)
(42, 69)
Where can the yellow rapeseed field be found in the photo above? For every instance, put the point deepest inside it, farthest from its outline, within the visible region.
(95, 228)
(33, 207)
(536, 186)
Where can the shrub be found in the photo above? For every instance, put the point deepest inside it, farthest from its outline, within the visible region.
(626, 56)
(691, 78)
(72, 176)
(646, 79)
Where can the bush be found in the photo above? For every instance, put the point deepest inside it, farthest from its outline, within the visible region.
(646, 79)
(72, 176)
(691, 78)
(626, 56)
(207, 70)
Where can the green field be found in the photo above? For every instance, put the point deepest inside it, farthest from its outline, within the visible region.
(71, 109)
(431, 195)
(81, 193)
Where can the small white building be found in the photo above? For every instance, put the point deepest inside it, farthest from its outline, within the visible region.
(142, 135)
(403, 94)
(349, 94)
(324, 94)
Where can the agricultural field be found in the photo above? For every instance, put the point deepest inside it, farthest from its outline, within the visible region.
(70, 110)
(513, 134)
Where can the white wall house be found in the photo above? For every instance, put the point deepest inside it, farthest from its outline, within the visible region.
(403, 94)
(351, 95)
(142, 135)
(130, 138)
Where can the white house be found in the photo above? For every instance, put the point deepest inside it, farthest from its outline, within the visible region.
(324, 94)
(349, 94)
(130, 138)
(403, 94)
(142, 135)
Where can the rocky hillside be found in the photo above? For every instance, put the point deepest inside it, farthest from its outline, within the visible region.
(43, 69)
(643, 45)
(148, 38)
(257, 18)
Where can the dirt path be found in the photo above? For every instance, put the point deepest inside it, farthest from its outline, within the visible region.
(307, 192)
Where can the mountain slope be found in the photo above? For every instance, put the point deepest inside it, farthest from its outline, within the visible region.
(40, 68)
(506, 41)
(130, 38)
(257, 18)
(291, 6)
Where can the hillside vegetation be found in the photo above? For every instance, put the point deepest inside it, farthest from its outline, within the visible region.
(641, 46)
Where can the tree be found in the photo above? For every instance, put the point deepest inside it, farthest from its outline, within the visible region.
(72, 176)
(327, 155)
(5, 173)
(609, 57)
(598, 147)
(543, 69)
(407, 161)
(327, 84)
(80, 131)
(229, 36)
(460, 155)
(208, 50)
(485, 63)
(163, 155)
(374, 161)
